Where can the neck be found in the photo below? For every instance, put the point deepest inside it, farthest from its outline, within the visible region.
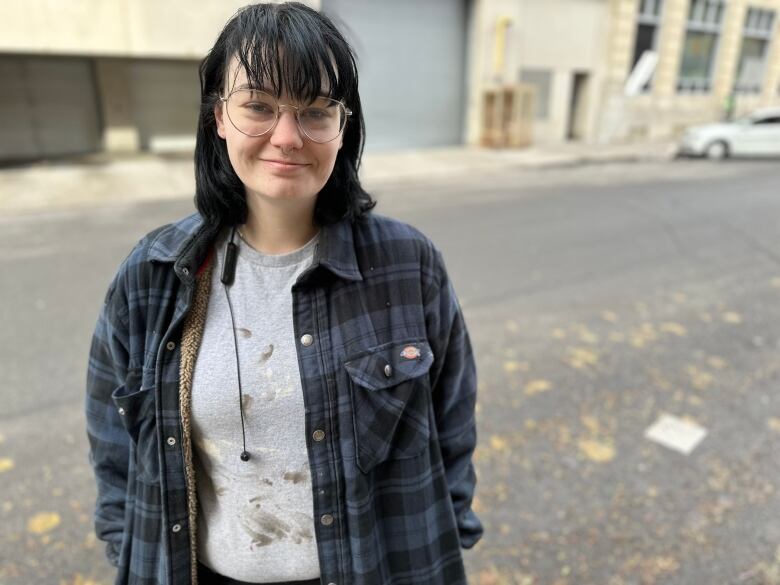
(273, 228)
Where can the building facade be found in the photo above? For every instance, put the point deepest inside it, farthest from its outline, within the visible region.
(607, 71)
(87, 76)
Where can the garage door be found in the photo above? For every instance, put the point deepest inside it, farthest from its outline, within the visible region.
(411, 60)
(166, 100)
(48, 107)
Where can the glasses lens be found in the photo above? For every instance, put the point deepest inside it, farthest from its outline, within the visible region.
(252, 112)
(323, 120)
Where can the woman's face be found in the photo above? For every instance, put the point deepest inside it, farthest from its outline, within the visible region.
(283, 164)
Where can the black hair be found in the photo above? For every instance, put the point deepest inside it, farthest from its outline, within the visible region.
(291, 48)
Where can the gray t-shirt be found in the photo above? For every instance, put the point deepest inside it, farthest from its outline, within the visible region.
(255, 519)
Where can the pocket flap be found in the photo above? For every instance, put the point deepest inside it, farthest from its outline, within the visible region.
(406, 360)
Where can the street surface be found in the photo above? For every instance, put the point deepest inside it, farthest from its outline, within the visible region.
(598, 298)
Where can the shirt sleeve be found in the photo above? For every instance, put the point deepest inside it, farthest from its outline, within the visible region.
(109, 447)
(454, 387)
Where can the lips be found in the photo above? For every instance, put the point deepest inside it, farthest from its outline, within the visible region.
(283, 163)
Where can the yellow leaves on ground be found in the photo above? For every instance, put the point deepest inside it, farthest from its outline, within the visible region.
(586, 335)
(43, 522)
(609, 316)
(499, 443)
(514, 366)
(6, 464)
(591, 423)
(78, 580)
(679, 297)
(731, 317)
(716, 362)
(595, 450)
(699, 379)
(558, 333)
(774, 424)
(580, 357)
(642, 335)
(674, 328)
(597, 446)
(537, 386)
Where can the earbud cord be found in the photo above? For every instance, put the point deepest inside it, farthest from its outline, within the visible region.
(228, 275)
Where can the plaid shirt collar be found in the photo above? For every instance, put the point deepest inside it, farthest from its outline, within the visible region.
(186, 243)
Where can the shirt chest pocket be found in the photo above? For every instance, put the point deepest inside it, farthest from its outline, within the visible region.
(390, 394)
(136, 408)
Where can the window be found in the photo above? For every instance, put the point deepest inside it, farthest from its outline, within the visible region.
(756, 37)
(701, 44)
(541, 79)
(648, 23)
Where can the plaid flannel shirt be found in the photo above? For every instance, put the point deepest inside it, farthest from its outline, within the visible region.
(390, 378)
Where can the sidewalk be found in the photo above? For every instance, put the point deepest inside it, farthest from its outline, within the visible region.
(98, 179)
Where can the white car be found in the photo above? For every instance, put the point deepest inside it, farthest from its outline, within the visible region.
(755, 135)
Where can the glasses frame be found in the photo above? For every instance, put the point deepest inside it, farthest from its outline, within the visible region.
(295, 109)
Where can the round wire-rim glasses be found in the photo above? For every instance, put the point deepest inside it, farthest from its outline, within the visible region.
(258, 114)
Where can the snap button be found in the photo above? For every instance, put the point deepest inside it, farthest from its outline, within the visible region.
(318, 435)
(388, 371)
(176, 528)
(121, 411)
(171, 441)
(307, 340)
(326, 519)
(170, 346)
(185, 271)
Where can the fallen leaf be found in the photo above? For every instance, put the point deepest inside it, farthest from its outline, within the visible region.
(537, 386)
(43, 522)
(498, 443)
(6, 464)
(674, 328)
(515, 366)
(609, 316)
(580, 357)
(558, 334)
(732, 317)
(597, 451)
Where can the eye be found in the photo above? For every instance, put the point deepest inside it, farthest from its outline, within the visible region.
(260, 107)
(316, 114)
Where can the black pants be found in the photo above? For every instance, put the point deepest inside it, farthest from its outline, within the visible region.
(208, 577)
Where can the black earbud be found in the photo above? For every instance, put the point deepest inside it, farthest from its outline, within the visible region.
(229, 267)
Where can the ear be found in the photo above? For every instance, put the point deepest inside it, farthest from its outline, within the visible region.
(219, 112)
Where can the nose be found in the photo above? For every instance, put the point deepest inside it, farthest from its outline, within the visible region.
(286, 134)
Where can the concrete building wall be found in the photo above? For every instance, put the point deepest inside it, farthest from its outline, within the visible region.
(174, 29)
(562, 37)
(665, 111)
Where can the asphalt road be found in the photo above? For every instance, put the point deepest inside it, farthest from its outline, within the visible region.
(598, 299)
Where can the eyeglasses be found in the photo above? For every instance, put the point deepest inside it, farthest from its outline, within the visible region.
(254, 113)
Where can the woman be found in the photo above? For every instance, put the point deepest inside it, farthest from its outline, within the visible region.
(281, 387)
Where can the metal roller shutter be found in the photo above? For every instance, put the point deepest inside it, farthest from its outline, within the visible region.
(48, 107)
(166, 100)
(411, 60)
